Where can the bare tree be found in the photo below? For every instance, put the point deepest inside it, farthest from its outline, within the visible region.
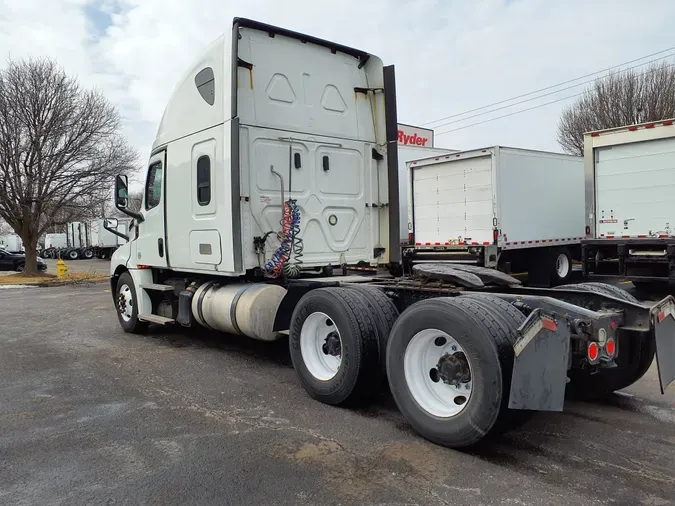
(60, 147)
(621, 98)
(5, 229)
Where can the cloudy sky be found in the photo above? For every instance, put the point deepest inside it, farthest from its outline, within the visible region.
(451, 55)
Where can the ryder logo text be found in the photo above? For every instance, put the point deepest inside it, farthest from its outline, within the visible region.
(411, 140)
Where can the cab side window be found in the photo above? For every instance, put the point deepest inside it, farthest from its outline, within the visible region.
(153, 186)
(203, 180)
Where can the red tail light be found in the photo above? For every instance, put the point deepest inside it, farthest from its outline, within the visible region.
(410, 238)
(588, 230)
(593, 351)
(610, 347)
(495, 235)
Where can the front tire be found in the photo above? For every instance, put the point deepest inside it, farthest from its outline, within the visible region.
(334, 347)
(449, 365)
(127, 305)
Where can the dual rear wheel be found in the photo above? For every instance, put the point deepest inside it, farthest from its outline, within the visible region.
(448, 360)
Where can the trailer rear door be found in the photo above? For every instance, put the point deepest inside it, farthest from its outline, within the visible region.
(635, 188)
(453, 201)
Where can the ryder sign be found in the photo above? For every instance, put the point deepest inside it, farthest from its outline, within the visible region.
(415, 136)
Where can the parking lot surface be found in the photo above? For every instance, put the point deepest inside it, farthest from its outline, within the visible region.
(90, 415)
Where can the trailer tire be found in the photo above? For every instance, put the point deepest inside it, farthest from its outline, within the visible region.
(88, 253)
(561, 267)
(385, 313)
(72, 254)
(636, 353)
(477, 328)
(128, 319)
(320, 316)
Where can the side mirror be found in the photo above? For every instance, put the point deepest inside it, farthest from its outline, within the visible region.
(121, 192)
(122, 199)
(111, 223)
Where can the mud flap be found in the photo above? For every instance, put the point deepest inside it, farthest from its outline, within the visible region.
(663, 316)
(540, 363)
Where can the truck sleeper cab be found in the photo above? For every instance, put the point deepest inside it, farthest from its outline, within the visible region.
(272, 163)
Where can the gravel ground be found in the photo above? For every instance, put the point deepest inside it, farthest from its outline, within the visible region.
(91, 415)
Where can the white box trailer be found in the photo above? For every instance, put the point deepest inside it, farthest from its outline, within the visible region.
(265, 105)
(11, 243)
(511, 208)
(55, 241)
(407, 154)
(630, 202)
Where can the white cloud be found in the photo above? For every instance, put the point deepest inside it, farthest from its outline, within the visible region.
(450, 56)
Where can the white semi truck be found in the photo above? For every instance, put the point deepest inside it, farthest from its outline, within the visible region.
(275, 159)
(515, 209)
(630, 203)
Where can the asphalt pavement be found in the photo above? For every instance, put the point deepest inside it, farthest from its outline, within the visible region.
(91, 415)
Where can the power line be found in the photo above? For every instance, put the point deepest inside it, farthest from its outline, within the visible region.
(549, 93)
(548, 87)
(516, 112)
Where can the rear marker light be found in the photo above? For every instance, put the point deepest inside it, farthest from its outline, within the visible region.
(588, 230)
(667, 123)
(549, 324)
(662, 316)
(595, 134)
(593, 351)
(632, 129)
(610, 347)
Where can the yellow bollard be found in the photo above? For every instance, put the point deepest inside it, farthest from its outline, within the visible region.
(61, 269)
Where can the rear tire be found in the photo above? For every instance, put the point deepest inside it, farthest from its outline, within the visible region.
(473, 331)
(20, 267)
(511, 318)
(72, 254)
(603, 288)
(127, 305)
(385, 313)
(334, 346)
(88, 254)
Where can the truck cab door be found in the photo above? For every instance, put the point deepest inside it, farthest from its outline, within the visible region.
(151, 244)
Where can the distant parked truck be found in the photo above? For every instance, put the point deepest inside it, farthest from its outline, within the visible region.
(11, 243)
(515, 209)
(630, 203)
